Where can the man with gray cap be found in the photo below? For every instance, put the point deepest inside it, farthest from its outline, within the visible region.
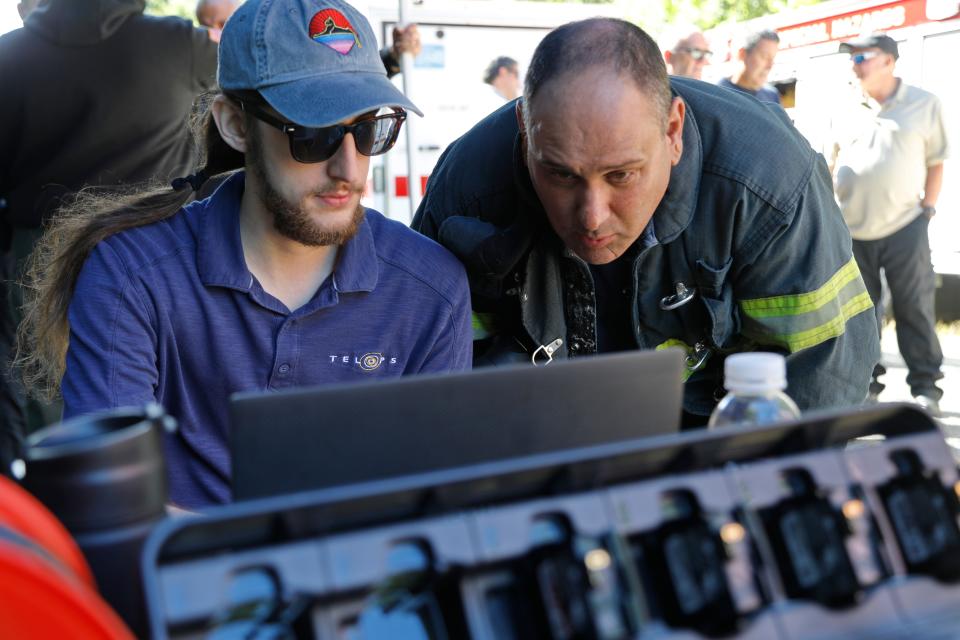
(279, 279)
(888, 170)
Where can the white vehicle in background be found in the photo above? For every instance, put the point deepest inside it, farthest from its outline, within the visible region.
(460, 38)
(813, 78)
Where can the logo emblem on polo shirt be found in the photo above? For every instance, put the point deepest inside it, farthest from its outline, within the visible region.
(371, 361)
(331, 28)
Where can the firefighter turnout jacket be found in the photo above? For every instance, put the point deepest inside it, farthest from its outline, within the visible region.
(746, 251)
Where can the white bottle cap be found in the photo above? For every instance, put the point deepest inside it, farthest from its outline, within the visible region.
(755, 372)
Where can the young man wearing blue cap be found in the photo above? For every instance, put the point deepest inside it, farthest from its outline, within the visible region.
(280, 279)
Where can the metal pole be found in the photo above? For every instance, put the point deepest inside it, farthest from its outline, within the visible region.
(406, 69)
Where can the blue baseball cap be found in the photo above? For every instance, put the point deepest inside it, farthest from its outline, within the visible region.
(315, 61)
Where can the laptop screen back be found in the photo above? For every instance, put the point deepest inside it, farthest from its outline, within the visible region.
(319, 437)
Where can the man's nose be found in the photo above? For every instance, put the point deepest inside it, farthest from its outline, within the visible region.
(346, 164)
(594, 211)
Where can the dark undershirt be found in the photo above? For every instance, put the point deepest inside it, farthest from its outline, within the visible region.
(611, 286)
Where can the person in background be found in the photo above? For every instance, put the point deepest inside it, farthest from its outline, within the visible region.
(404, 40)
(213, 14)
(688, 55)
(26, 7)
(280, 279)
(94, 93)
(503, 76)
(616, 208)
(888, 170)
(755, 60)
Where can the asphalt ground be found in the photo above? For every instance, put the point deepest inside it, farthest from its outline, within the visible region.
(898, 391)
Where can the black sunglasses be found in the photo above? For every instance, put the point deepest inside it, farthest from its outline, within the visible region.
(372, 136)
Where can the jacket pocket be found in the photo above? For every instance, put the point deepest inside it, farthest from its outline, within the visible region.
(716, 292)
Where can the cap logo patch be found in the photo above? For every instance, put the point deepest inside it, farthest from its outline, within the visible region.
(330, 27)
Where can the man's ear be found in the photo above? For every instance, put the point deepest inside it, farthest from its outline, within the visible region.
(675, 119)
(741, 54)
(668, 57)
(231, 123)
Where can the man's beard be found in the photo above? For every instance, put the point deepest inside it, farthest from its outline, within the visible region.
(289, 219)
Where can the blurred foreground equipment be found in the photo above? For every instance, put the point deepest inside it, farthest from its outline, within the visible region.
(840, 524)
(103, 476)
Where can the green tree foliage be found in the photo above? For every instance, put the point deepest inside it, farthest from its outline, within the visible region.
(710, 13)
(703, 13)
(649, 13)
(181, 8)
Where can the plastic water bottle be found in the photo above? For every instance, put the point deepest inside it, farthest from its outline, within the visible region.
(755, 382)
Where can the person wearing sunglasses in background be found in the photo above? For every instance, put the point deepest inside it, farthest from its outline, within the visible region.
(755, 59)
(888, 159)
(689, 55)
(280, 279)
(617, 208)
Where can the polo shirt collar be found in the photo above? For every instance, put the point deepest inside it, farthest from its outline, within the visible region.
(898, 94)
(220, 260)
(357, 265)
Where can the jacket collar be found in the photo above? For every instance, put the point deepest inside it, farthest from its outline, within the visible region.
(677, 207)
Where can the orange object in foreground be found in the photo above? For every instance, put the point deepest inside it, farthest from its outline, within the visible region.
(46, 587)
(27, 516)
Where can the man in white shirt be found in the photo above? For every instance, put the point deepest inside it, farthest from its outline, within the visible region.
(888, 171)
(503, 74)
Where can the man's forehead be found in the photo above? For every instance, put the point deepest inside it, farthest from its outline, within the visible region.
(589, 95)
(696, 41)
(570, 117)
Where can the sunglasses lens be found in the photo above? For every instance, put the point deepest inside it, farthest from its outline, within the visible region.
(315, 145)
(378, 135)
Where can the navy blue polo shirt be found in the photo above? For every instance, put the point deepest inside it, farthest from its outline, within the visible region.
(169, 312)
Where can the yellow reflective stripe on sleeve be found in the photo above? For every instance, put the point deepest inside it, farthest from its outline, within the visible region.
(804, 320)
(484, 325)
(803, 302)
(673, 342)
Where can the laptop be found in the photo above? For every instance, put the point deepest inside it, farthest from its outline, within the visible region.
(339, 434)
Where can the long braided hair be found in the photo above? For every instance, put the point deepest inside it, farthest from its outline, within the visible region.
(70, 236)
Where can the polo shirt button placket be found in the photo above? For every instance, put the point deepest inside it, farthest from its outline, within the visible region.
(283, 369)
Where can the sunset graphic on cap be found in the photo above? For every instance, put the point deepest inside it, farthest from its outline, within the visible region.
(331, 28)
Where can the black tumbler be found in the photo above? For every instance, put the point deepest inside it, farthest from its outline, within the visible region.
(103, 476)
